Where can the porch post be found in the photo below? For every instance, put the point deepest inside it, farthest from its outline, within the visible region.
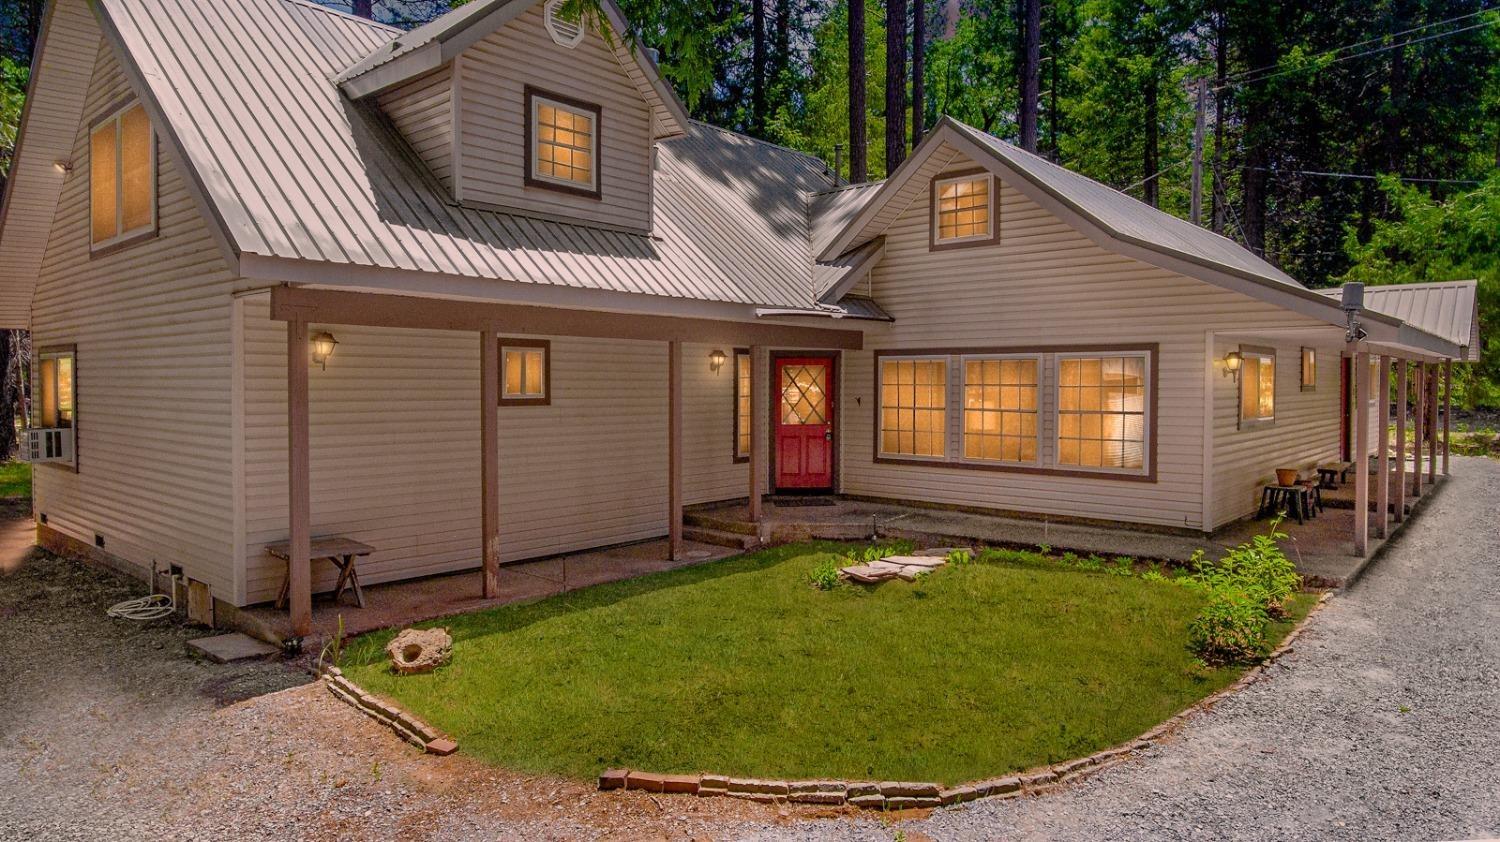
(755, 433)
(299, 479)
(1432, 421)
(1383, 460)
(489, 459)
(1402, 410)
(1362, 454)
(1447, 410)
(1418, 419)
(674, 447)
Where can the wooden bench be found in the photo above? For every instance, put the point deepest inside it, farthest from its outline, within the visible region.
(1328, 470)
(343, 552)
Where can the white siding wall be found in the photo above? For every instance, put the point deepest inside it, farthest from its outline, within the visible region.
(1044, 284)
(151, 323)
(491, 170)
(395, 448)
(422, 111)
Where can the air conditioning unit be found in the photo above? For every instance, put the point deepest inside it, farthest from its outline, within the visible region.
(48, 445)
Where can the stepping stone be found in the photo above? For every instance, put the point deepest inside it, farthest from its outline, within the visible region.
(867, 574)
(884, 564)
(916, 561)
(226, 648)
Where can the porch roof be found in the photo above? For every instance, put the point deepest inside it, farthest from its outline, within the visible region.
(1449, 309)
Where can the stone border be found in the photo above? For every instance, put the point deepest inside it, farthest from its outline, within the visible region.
(901, 795)
(406, 726)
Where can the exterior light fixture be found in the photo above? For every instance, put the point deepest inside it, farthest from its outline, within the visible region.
(1232, 361)
(322, 348)
(716, 360)
(64, 167)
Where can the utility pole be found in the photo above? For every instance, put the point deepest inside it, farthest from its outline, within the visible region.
(1199, 109)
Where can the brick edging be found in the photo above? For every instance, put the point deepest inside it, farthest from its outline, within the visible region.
(406, 726)
(898, 795)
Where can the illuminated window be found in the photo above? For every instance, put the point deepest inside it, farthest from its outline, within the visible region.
(55, 389)
(1101, 411)
(913, 406)
(1000, 409)
(122, 177)
(564, 143)
(523, 376)
(1309, 369)
(742, 405)
(963, 209)
(1257, 386)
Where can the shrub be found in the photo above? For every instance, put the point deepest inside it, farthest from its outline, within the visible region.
(1231, 628)
(1123, 566)
(825, 574)
(1259, 567)
(960, 557)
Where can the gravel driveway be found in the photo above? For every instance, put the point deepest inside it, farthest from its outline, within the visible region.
(1381, 725)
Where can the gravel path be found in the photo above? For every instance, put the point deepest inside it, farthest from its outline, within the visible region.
(1381, 725)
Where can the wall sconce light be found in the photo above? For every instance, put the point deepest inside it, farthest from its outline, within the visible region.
(322, 348)
(716, 360)
(63, 167)
(1232, 361)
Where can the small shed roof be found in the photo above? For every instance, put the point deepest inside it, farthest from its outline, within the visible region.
(1449, 309)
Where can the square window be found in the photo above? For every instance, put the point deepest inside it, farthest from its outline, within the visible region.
(1101, 412)
(963, 209)
(564, 143)
(525, 368)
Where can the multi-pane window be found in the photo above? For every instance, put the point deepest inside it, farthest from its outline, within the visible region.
(1000, 409)
(964, 209)
(55, 391)
(122, 177)
(1309, 369)
(913, 406)
(1101, 411)
(565, 143)
(523, 376)
(1257, 385)
(742, 405)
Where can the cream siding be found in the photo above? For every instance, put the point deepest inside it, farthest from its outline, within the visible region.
(151, 323)
(422, 111)
(492, 75)
(395, 449)
(1043, 284)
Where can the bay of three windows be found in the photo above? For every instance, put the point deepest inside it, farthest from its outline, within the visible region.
(1068, 411)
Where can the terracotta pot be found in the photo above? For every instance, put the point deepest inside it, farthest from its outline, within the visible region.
(1286, 476)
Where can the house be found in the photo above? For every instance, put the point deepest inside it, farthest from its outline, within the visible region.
(483, 292)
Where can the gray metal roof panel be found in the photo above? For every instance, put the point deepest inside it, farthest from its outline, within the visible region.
(1448, 309)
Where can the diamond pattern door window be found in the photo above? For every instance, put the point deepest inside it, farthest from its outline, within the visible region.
(804, 394)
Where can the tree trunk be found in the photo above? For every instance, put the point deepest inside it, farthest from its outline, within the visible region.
(1031, 66)
(1151, 143)
(8, 394)
(918, 71)
(1221, 70)
(952, 11)
(362, 8)
(781, 44)
(895, 84)
(1054, 110)
(758, 67)
(859, 170)
(1260, 51)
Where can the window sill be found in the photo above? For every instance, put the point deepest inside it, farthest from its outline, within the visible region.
(118, 245)
(1039, 470)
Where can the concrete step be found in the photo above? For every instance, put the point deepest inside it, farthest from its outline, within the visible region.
(719, 537)
(720, 524)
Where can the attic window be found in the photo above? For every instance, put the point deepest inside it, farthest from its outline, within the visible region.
(963, 209)
(563, 141)
(122, 178)
(566, 29)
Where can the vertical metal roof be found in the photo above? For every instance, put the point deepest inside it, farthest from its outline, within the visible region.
(1449, 309)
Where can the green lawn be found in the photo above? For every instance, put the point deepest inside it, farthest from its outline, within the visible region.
(15, 479)
(740, 667)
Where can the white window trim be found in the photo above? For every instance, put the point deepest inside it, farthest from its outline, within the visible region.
(963, 433)
(1258, 421)
(1302, 356)
(505, 361)
(947, 362)
(749, 361)
(537, 100)
(1057, 412)
(937, 228)
(70, 353)
(122, 235)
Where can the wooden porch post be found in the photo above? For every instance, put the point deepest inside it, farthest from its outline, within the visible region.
(1383, 460)
(489, 459)
(674, 447)
(1432, 422)
(1447, 410)
(1402, 410)
(1362, 454)
(755, 433)
(299, 479)
(1418, 419)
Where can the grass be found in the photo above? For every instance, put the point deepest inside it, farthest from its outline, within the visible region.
(742, 667)
(15, 479)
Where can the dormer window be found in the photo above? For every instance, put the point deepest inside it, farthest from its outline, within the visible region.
(563, 136)
(963, 210)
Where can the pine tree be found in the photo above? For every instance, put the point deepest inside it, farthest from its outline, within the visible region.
(858, 143)
(895, 84)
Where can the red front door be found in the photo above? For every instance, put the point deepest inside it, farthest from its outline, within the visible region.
(804, 422)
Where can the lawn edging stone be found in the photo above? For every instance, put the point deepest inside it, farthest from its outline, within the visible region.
(901, 795)
(407, 726)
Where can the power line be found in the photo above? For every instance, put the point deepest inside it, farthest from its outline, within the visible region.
(1468, 181)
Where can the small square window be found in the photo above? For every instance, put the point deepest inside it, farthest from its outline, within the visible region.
(564, 140)
(122, 177)
(525, 369)
(963, 210)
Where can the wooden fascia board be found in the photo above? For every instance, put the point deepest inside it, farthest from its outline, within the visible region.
(335, 307)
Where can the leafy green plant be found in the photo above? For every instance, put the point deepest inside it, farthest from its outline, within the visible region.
(960, 557)
(1231, 628)
(1123, 566)
(1044, 549)
(1257, 566)
(825, 574)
